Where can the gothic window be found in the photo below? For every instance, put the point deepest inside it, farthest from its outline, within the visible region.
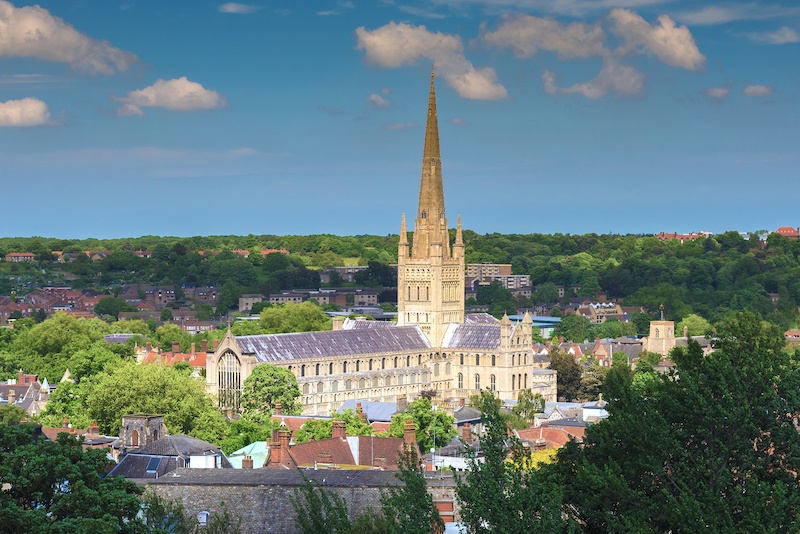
(376, 382)
(526, 380)
(303, 370)
(370, 365)
(344, 367)
(408, 361)
(477, 359)
(419, 359)
(477, 381)
(383, 363)
(513, 382)
(513, 359)
(395, 362)
(335, 386)
(229, 378)
(330, 368)
(358, 365)
(135, 438)
(461, 359)
(362, 383)
(317, 370)
(436, 370)
(305, 389)
(656, 332)
(348, 384)
(493, 383)
(447, 369)
(460, 381)
(400, 380)
(493, 360)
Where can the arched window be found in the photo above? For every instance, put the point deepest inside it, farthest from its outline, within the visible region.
(358, 365)
(400, 380)
(526, 380)
(436, 369)
(460, 381)
(135, 438)
(419, 359)
(395, 362)
(370, 365)
(513, 382)
(461, 359)
(477, 359)
(493, 383)
(335, 385)
(477, 381)
(330, 368)
(656, 332)
(362, 383)
(376, 382)
(383, 363)
(493, 360)
(317, 370)
(303, 370)
(306, 389)
(155, 435)
(348, 384)
(229, 380)
(447, 369)
(408, 361)
(320, 387)
(344, 367)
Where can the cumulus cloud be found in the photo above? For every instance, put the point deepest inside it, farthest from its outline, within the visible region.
(622, 80)
(178, 94)
(784, 35)
(718, 93)
(376, 101)
(525, 35)
(724, 13)
(671, 44)
(237, 8)
(25, 112)
(32, 31)
(758, 90)
(395, 44)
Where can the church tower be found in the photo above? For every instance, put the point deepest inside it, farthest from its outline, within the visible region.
(430, 277)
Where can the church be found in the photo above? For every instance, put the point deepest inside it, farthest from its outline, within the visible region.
(433, 346)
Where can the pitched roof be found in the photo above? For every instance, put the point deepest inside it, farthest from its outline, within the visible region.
(350, 450)
(375, 411)
(181, 445)
(332, 343)
(472, 336)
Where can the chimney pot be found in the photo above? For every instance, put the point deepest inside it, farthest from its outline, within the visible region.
(176, 347)
(204, 345)
(247, 462)
(409, 433)
(148, 347)
(339, 429)
(193, 347)
(278, 408)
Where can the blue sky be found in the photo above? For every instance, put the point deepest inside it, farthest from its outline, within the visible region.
(297, 117)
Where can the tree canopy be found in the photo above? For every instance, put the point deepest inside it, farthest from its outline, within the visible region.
(265, 387)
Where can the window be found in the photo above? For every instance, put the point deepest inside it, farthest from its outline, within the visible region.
(436, 370)
(348, 384)
(302, 370)
(400, 380)
(461, 359)
(335, 385)
(477, 381)
(408, 361)
(370, 365)
(305, 389)
(316, 370)
(376, 382)
(229, 380)
(358, 365)
(477, 359)
(135, 438)
(362, 383)
(493, 360)
(320, 387)
(395, 362)
(526, 380)
(513, 359)
(383, 363)
(460, 381)
(330, 368)
(419, 359)
(493, 383)
(447, 369)
(513, 382)
(344, 367)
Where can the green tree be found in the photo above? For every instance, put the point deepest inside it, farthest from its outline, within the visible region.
(529, 404)
(11, 415)
(696, 325)
(568, 380)
(166, 315)
(305, 317)
(267, 385)
(320, 510)
(111, 306)
(323, 428)
(56, 486)
(573, 327)
(153, 388)
(409, 507)
(428, 422)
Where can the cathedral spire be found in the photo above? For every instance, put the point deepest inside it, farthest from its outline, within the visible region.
(431, 192)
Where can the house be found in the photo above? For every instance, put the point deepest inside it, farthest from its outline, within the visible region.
(20, 257)
(786, 231)
(26, 392)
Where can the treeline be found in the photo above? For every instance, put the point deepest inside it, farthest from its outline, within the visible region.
(708, 277)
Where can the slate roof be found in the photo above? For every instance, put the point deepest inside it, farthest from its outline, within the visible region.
(350, 324)
(375, 411)
(181, 445)
(332, 343)
(480, 318)
(466, 414)
(280, 477)
(472, 336)
(135, 466)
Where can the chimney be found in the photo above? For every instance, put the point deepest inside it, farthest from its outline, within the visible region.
(283, 440)
(686, 332)
(337, 323)
(204, 345)
(278, 408)
(20, 377)
(216, 344)
(462, 401)
(466, 433)
(409, 433)
(360, 414)
(561, 339)
(339, 429)
(148, 347)
(193, 349)
(65, 423)
(247, 462)
(94, 431)
(176, 347)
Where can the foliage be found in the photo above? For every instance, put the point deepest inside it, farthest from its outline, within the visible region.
(529, 404)
(501, 496)
(428, 422)
(111, 306)
(409, 507)
(267, 385)
(323, 428)
(696, 325)
(573, 327)
(56, 486)
(11, 415)
(569, 374)
(319, 510)
(304, 317)
(727, 457)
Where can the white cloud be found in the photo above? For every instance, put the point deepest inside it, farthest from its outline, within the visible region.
(32, 31)
(342, 5)
(376, 101)
(237, 8)
(671, 44)
(784, 35)
(525, 35)
(718, 93)
(395, 44)
(723, 13)
(25, 112)
(622, 80)
(178, 94)
(458, 121)
(758, 90)
(399, 126)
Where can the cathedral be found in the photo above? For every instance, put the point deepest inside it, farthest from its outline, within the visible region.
(433, 346)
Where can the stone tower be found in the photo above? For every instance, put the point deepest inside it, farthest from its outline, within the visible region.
(430, 277)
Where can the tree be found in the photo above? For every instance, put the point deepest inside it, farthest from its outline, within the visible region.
(497, 495)
(569, 374)
(152, 388)
(166, 315)
(573, 327)
(529, 404)
(111, 306)
(11, 415)
(266, 386)
(319, 510)
(696, 325)
(409, 507)
(546, 293)
(305, 317)
(323, 428)
(56, 486)
(728, 449)
(428, 422)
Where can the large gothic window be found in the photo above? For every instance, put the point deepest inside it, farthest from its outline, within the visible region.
(229, 380)
(460, 381)
(477, 381)
(493, 383)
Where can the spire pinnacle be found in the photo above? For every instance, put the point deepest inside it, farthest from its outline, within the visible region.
(431, 193)
(403, 231)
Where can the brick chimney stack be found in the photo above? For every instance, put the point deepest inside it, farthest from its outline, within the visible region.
(402, 403)
(148, 347)
(466, 433)
(247, 462)
(339, 429)
(204, 345)
(360, 413)
(278, 408)
(193, 347)
(410, 433)
(94, 430)
(283, 441)
(216, 344)
(176, 347)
